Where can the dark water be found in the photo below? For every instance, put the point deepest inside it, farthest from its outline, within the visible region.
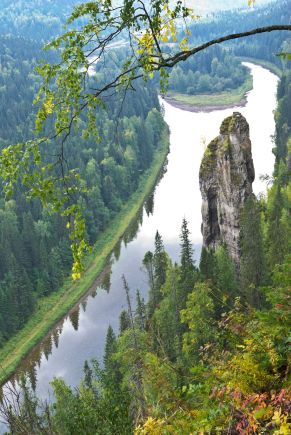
(81, 334)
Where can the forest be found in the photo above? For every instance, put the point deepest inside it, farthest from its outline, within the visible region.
(214, 70)
(35, 247)
(34, 20)
(208, 351)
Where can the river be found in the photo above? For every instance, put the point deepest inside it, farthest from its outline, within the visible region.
(81, 334)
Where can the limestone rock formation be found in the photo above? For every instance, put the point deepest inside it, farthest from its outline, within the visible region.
(226, 177)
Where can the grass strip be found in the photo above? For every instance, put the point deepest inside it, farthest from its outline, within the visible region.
(52, 308)
(219, 99)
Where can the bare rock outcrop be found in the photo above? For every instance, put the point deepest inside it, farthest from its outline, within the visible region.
(226, 177)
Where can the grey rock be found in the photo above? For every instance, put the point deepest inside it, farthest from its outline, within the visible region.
(226, 177)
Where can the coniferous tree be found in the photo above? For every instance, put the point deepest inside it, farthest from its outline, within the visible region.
(88, 375)
(29, 242)
(187, 262)
(55, 269)
(140, 312)
(160, 263)
(124, 321)
(110, 349)
(166, 328)
(187, 270)
(252, 263)
(278, 231)
(23, 297)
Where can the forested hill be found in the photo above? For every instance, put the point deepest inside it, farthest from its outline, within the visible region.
(35, 19)
(264, 46)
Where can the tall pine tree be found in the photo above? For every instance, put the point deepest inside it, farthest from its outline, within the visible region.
(156, 266)
(187, 269)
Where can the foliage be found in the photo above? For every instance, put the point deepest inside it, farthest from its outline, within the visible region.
(234, 376)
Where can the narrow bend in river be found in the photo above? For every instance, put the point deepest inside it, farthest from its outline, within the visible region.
(82, 334)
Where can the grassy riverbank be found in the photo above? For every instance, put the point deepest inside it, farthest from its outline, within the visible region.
(52, 308)
(221, 99)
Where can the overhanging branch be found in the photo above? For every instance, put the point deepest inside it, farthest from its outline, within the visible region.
(183, 55)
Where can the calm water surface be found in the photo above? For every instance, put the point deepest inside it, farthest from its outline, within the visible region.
(82, 334)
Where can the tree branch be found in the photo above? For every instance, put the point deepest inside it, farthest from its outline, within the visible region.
(183, 55)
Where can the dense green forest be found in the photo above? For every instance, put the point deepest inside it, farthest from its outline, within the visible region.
(214, 70)
(34, 245)
(208, 352)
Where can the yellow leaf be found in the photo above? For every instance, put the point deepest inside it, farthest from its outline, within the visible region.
(49, 105)
(76, 276)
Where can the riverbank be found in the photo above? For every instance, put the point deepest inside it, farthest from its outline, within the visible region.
(210, 102)
(53, 308)
(265, 64)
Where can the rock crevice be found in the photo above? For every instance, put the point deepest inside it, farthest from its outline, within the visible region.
(226, 177)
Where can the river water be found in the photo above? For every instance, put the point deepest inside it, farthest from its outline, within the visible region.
(81, 335)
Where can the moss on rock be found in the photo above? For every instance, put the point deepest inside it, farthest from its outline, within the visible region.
(209, 159)
(224, 128)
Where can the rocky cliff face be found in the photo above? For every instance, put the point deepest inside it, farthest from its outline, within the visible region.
(226, 176)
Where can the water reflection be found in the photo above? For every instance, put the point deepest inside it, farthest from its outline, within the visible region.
(149, 205)
(106, 283)
(132, 230)
(74, 318)
(117, 250)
